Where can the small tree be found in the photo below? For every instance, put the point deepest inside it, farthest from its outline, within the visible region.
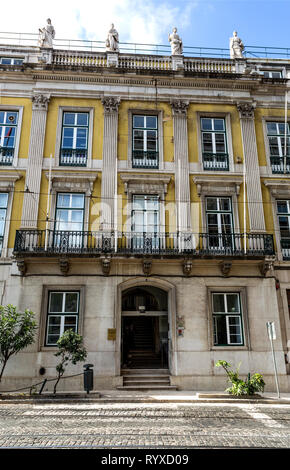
(71, 349)
(17, 331)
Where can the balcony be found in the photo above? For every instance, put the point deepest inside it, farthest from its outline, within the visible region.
(41, 242)
(141, 159)
(278, 165)
(73, 157)
(6, 155)
(215, 161)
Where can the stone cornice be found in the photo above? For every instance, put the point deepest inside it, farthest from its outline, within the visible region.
(218, 184)
(83, 181)
(278, 188)
(145, 183)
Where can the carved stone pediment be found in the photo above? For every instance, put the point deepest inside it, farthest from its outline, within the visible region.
(218, 185)
(147, 184)
(278, 188)
(72, 181)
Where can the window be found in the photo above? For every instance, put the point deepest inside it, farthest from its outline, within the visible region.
(74, 141)
(145, 142)
(69, 221)
(145, 222)
(276, 138)
(219, 223)
(272, 74)
(283, 209)
(8, 128)
(214, 144)
(63, 314)
(227, 319)
(3, 212)
(11, 61)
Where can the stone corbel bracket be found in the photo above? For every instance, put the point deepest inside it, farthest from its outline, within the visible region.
(64, 265)
(267, 265)
(106, 265)
(147, 266)
(187, 266)
(21, 265)
(225, 267)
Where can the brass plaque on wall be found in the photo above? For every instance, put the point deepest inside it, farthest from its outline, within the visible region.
(112, 334)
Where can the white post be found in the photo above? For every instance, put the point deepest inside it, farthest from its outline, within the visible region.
(116, 208)
(272, 335)
(245, 212)
(48, 203)
(285, 131)
(179, 205)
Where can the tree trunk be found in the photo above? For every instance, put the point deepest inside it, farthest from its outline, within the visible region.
(2, 370)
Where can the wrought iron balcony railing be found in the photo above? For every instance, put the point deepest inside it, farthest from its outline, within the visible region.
(278, 165)
(73, 157)
(6, 155)
(215, 161)
(135, 243)
(148, 159)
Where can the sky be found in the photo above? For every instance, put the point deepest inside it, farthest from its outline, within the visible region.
(202, 23)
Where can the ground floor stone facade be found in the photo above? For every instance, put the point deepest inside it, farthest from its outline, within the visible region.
(193, 347)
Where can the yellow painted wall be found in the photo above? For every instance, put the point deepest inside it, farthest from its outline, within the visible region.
(16, 211)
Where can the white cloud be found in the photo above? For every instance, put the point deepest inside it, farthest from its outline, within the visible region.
(136, 20)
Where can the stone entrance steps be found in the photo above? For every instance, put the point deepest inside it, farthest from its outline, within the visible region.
(146, 379)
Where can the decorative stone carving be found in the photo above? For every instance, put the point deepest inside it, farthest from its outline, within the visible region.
(215, 185)
(147, 266)
(179, 107)
(141, 184)
(267, 265)
(21, 266)
(111, 104)
(112, 41)
(236, 47)
(40, 102)
(187, 266)
(64, 265)
(175, 42)
(225, 267)
(106, 265)
(46, 35)
(246, 110)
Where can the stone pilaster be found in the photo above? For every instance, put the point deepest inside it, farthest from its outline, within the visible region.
(254, 192)
(35, 156)
(110, 143)
(182, 190)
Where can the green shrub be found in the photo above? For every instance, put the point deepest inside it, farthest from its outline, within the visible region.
(250, 386)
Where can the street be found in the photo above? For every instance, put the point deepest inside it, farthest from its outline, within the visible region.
(140, 425)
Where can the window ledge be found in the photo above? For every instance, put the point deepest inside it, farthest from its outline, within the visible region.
(229, 348)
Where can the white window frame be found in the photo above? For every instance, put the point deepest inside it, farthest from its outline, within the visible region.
(278, 120)
(62, 314)
(228, 139)
(58, 141)
(229, 289)
(145, 112)
(19, 110)
(44, 310)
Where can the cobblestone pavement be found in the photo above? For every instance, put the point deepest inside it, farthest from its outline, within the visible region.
(144, 425)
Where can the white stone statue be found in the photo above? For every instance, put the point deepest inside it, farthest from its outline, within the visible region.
(236, 47)
(46, 35)
(112, 41)
(175, 42)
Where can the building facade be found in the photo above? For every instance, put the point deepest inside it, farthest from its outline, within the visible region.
(145, 203)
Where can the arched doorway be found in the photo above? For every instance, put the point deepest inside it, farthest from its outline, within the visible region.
(144, 328)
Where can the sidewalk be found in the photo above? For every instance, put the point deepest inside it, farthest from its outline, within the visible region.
(171, 396)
